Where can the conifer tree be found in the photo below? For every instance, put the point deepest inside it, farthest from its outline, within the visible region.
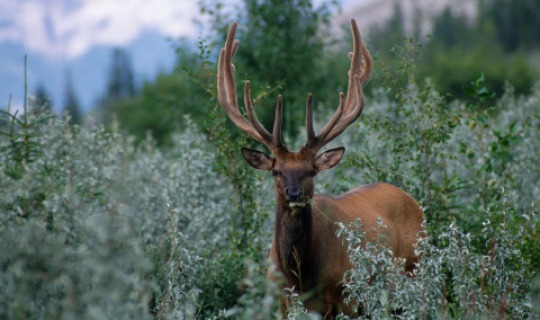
(71, 102)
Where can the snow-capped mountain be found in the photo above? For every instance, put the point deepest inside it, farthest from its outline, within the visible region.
(77, 37)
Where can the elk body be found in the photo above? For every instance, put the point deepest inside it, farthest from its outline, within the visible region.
(305, 248)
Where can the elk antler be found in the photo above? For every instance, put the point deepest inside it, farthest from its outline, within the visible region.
(349, 108)
(227, 98)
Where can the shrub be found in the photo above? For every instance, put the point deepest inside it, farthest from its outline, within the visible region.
(451, 280)
(96, 225)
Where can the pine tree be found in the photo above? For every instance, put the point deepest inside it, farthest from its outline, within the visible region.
(42, 98)
(120, 86)
(121, 81)
(516, 23)
(382, 38)
(71, 102)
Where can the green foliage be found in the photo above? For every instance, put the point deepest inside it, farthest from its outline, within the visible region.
(455, 159)
(281, 42)
(272, 54)
(160, 106)
(63, 247)
(457, 64)
(248, 233)
(459, 49)
(288, 47)
(19, 148)
(451, 280)
(71, 104)
(259, 299)
(382, 38)
(98, 226)
(42, 97)
(121, 81)
(120, 85)
(516, 23)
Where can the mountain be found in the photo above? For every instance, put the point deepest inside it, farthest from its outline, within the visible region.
(77, 37)
(150, 53)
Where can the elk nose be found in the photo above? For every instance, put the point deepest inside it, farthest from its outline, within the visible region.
(294, 192)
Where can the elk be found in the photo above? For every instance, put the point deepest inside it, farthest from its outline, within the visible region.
(305, 248)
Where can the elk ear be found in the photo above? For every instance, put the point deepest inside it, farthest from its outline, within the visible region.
(257, 159)
(329, 159)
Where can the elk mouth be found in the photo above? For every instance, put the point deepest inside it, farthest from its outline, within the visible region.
(297, 204)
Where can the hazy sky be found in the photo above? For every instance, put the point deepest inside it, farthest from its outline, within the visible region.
(71, 35)
(68, 28)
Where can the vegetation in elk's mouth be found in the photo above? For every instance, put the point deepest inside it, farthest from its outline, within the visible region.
(297, 204)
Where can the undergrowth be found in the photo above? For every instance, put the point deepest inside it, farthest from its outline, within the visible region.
(96, 226)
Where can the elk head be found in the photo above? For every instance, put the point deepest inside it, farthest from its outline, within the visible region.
(294, 171)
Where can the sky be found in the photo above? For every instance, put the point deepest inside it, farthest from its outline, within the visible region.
(75, 37)
(70, 28)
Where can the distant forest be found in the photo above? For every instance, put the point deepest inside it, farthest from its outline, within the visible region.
(502, 44)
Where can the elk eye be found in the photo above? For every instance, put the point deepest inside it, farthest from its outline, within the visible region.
(274, 172)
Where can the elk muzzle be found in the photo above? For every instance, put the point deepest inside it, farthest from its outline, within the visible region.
(295, 196)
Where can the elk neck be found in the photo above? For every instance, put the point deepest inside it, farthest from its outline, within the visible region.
(293, 237)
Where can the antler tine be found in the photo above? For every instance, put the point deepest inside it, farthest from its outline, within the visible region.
(310, 131)
(227, 93)
(367, 65)
(276, 132)
(349, 109)
(251, 114)
(317, 142)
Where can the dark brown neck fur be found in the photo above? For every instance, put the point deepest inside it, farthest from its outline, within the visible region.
(293, 232)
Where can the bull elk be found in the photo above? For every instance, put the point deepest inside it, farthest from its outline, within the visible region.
(305, 248)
